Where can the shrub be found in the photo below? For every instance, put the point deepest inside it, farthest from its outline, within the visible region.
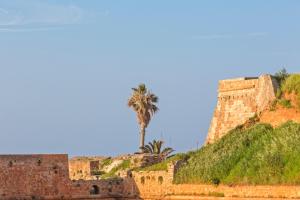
(285, 103)
(216, 181)
(281, 75)
(292, 85)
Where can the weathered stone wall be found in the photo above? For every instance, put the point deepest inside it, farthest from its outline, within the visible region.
(84, 167)
(150, 184)
(104, 188)
(80, 169)
(238, 100)
(47, 177)
(34, 175)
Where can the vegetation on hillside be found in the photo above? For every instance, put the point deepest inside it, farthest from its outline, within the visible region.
(106, 162)
(288, 83)
(143, 102)
(258, 155)
(126, 164)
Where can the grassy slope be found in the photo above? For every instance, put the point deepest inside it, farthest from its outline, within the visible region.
(258, 155)
(123, 166)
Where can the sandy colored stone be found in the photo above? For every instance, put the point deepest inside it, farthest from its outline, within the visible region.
(238, 100)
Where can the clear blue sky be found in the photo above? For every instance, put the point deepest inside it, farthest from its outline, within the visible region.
(67, 67)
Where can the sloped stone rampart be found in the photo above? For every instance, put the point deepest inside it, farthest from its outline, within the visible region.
(238, 100)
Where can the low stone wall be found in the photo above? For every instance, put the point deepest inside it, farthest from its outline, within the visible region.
(147, 184)
(236, 191)
(159, 185)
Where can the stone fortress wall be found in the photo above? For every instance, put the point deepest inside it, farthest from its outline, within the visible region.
(238, 100)
(47, 177)
(33, 175)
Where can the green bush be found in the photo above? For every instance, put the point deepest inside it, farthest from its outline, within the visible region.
(285, 103)
(216, 181)
(281, 75)
(292, 84)
(258, 155)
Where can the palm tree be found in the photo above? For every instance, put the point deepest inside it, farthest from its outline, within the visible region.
(143, 102)
(155, 147)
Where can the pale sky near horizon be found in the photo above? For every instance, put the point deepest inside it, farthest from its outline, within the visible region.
(68, 66)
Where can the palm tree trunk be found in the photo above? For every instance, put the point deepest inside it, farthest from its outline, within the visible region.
(142, 138)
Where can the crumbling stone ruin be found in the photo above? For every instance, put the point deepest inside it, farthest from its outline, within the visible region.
(91, 168)
(84, 168)
(238, 100)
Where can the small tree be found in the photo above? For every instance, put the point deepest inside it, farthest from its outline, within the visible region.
(143, 102)
(156, 147)
(281, 75)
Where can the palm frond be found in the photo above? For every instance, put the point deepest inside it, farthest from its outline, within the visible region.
(147, 149)
(156, 147)
(167, 150)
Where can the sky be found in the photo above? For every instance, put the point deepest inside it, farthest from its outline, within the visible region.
(68, 66)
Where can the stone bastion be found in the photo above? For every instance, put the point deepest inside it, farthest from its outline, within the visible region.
(238, 100)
